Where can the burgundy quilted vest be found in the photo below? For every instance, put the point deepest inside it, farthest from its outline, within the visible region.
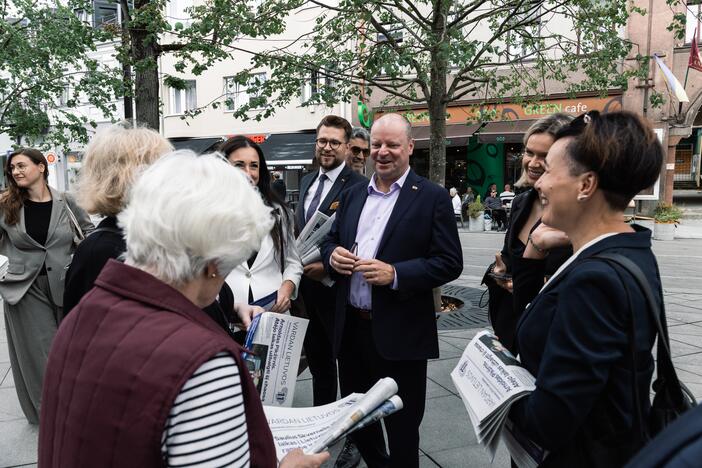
(117, 364)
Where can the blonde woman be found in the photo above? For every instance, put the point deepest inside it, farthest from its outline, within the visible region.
(37, 228)
(112, 160)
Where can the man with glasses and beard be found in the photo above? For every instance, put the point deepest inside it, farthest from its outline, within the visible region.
(359, 150)
(319, 191)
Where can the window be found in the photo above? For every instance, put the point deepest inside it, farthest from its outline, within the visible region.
(692, 19)
(316, 84)
(105, 12)
(178, 12)
(237, 95)
(183, 100)
(395, 31)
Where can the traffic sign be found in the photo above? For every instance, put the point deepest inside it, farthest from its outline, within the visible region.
(51, 157)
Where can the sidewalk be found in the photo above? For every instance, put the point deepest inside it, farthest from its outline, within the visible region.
(446, 437)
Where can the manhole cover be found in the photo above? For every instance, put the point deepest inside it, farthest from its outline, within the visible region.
(469, 315)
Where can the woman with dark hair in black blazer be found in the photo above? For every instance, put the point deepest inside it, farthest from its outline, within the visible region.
(574, 337)
(276, 267)
(504, 308)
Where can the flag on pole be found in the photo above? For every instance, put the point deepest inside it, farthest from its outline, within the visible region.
(673, 83)
(695, 60)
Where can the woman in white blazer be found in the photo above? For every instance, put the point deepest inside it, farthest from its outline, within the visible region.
(276, 267)
(37, 229)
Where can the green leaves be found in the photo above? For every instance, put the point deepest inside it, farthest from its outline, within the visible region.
(47, 71)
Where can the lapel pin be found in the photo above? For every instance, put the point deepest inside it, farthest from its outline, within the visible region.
(414, 187)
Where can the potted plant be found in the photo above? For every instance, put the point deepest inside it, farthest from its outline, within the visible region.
(475, 215)
(666, 217)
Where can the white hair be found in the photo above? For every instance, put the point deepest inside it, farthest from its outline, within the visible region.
(186, 211)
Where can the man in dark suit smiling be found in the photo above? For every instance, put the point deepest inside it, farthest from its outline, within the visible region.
(393, 241)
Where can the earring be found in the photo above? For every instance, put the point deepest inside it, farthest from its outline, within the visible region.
(582, 198)
(213, 275)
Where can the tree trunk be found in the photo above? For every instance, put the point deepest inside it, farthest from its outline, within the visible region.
(437, 101)
(145, 56)
(437, 139)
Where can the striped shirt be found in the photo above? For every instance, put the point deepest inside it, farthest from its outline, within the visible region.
(206, 426)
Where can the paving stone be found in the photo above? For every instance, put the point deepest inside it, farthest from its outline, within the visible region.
(4, 353)
(9, 405)
(18, 444)
(445, 425)
(471, 456)
(439, 371)
(435, 390)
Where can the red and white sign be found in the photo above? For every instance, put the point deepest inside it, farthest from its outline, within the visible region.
(51, 157)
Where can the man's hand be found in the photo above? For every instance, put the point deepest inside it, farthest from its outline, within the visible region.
(315, 271)
(343, 261)
(297, 459)
(376, 272)
(247, 312)
(282, 302)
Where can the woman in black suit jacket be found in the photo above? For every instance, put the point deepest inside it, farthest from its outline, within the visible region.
(574, 336)
(525, 215)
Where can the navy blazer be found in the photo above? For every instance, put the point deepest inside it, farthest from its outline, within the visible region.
(347, 177)
(573, 338)
(679, 446)
(421, 241)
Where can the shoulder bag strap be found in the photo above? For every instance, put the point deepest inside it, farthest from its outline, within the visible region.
(664, 362)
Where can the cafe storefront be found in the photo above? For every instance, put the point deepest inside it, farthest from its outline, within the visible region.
(484, 141)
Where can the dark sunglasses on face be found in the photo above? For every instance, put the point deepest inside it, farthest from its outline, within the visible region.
(355, 150)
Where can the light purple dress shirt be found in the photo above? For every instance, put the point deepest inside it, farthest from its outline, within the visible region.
(371, 226)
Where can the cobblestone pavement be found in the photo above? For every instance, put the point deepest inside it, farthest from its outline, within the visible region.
(446, 437)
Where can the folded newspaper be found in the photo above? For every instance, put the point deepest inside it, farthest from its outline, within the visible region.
(490, 379)
(315, 429)
(310, 240)
(274, 344)
(4, 264)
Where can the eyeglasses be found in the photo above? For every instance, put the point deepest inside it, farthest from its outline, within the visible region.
(322, 143)
(357, 150)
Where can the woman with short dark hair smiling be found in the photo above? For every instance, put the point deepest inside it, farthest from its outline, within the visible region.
(574, 337)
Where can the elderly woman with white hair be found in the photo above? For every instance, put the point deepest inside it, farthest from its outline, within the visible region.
(138, 374)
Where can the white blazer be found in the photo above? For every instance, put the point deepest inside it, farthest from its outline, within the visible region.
(265, 277)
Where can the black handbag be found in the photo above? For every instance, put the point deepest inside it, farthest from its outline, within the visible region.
(672, 398)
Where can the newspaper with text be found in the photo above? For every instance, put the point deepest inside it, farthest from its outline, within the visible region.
(310, 239)
(490, 379)
(274, 344)
(315, 429)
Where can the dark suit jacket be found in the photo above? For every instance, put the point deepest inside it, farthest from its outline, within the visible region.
(573, 338)
(679, 446)
(421, 241)
(347, 178)
(311, 290)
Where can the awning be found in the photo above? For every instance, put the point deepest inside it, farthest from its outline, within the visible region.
(504, 131)
(285, 149)
(456, 135)
(198, 145)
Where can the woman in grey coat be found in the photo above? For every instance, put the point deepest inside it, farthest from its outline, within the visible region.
(37, 229)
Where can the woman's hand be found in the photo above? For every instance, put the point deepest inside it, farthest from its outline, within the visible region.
(500, 269)
(297, 459)
(543, 239)
(246, 313)
(282, 303)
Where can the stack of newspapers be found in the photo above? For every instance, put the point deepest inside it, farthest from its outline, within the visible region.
(315, 429)
(273, 347)
(4, 263)
(490, 379)
(309, 241)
